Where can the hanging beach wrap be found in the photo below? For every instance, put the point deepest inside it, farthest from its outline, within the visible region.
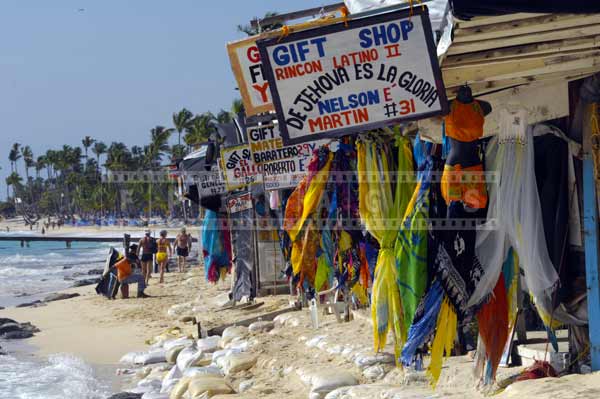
(411, 246)
(377, 206)
(443, 341)
(302, 217)
(514, 218)
(216, 247)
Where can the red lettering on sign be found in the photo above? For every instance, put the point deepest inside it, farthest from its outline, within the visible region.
(262, 89)
(253, 54)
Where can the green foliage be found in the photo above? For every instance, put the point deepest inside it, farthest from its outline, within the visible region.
(73, 182)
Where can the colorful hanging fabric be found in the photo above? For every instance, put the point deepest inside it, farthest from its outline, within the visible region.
(492, 320)
(424, 323)
(377, 207)
(216, 247)
(302, 219)
(443, 341)
(411, 244)
(514, 217)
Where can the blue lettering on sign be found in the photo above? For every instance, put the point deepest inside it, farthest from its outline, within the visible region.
(382, 35)
(353, 101)
(296, 52)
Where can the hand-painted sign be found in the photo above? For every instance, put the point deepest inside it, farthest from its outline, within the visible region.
(282, 166)
(342, 79)
(238, 167)
(239, 203)
(248, 71)
(209, 183)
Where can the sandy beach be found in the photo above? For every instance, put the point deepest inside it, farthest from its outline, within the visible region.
(102, 331)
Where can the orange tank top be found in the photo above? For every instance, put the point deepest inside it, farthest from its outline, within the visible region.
(465, 121)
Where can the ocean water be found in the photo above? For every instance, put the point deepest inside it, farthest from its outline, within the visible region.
(28, 274)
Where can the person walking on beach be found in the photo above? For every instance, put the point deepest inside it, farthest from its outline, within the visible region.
(164, 252)
(149, 248)
(183, 245)
(125, 274)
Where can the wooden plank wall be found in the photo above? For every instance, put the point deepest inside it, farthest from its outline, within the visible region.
(495, 53)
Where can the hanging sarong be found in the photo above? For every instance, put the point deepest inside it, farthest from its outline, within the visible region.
(411, 246)
(378, 207)
(514, 217)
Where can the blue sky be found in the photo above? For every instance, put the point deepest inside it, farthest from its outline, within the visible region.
(116, 69)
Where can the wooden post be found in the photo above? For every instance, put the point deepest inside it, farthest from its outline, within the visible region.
(590, 224)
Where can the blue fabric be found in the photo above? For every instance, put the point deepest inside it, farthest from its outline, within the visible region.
(445, 143)
(424, 323)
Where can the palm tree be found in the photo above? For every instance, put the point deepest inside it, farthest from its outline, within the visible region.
(99, 149)
(41, 163)
(237, 107)
(251, 31)
(224, 117)
(13, 156)
(14, 180)
(159, 142)
(181, 120)
(87, 143)
(28, 159)
(200, 129)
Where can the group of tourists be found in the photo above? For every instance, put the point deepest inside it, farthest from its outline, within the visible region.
(143, 254)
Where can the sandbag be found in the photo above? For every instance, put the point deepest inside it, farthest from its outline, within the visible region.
(180, 389)
(208, 386)
(208, 344)
(232, 332)
(148, 385)
(155, 395)
(173, 353)
(223, 352)
(152, 357)
(187, 357)
(129, 358)
(171, 333)
(170, 379)
(261, 326)
(325, 381)
(370, 359)
(236, 362)
(206, 370)
(177, 310)
(172, 343)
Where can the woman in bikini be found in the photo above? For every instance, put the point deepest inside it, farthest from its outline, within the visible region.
(163, 254)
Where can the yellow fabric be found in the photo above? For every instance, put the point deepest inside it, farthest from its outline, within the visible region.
(377, 209)
(444, 340)
(312, 198)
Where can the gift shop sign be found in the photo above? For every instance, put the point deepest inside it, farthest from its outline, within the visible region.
(282, 166)
(248, 71)
(238, 167)
(340, 79)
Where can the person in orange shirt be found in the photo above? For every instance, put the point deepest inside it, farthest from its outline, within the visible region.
(125, 274)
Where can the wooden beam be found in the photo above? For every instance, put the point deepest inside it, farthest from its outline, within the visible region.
(265, 317)
(501, 42)
(481, 21)
(510, 53)
(590, 224)
(544, 23)
(516, 69)
(492, 86)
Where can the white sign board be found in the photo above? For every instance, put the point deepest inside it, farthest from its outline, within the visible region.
(339, 79)
(209, 183)
(282, 166)
(248, 71)
(238, 167)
